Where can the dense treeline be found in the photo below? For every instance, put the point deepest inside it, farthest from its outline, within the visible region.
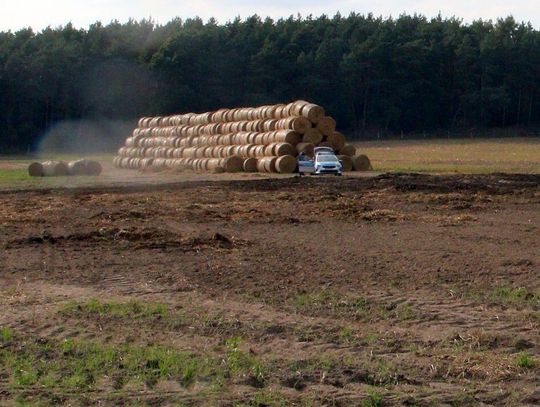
(394, 75)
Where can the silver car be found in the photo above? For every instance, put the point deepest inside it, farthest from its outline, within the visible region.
(327, 164)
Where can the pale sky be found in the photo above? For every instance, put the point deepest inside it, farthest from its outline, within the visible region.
(39, 14)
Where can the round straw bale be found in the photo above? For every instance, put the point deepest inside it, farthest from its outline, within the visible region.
(261, 164)
(250, 165)
(271, 112)
(361, 163)
(233, 163)
(55, 168)
(326, 125)
(272, 164)
(312, 135)
(286, 164)
(36, 169)
(346, 161)
(348, 149)
(286, 136)
(77, 167)
(282, 149)
(298, 106)
(93, 167)
(278, 113)
(260, 151)
(269, 150)
(300, 124)
(313, 112)
(336, 140)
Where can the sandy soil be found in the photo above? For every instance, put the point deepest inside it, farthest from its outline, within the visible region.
(420, 290)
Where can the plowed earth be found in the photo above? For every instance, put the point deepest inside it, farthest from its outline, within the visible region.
(395, 290)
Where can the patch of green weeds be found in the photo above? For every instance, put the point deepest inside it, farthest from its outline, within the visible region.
(77, 365)
(508, 296)
(267, 398)
(374, 399)
(383, 373)
(346, 334)
(242, 363)
(404, 312)
(525, 361)
(130, 309)
(372, 338)
(6, 334)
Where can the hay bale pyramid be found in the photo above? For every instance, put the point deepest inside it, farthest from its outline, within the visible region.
(261, 139)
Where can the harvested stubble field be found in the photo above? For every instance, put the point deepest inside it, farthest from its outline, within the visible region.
(392, 290)
(478, 156)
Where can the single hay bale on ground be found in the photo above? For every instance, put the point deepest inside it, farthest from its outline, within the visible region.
(35, 170)
(347, 163)
(348, 149)
(286, 164)
(93, 168)
(55, 168)
(361, 163)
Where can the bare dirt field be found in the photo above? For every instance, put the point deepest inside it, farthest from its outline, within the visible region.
(391, 290)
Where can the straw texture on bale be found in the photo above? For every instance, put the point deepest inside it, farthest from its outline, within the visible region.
(348, 149)
(346, 162)
(233, 164)
(336, 140)
(250, 165)
(93, 168)
(286, 164)
(35, 170)
(77, 167)
(326, 125)
(55, 168)
(361, 163)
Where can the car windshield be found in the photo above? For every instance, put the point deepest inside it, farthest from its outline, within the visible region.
(324, 158)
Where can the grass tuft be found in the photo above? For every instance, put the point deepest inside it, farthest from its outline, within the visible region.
(525, 361)
(6, 334)
(374, 399)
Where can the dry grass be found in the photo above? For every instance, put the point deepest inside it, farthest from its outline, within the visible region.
(511, 155)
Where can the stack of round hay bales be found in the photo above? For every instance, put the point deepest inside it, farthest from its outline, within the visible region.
(265, 139)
